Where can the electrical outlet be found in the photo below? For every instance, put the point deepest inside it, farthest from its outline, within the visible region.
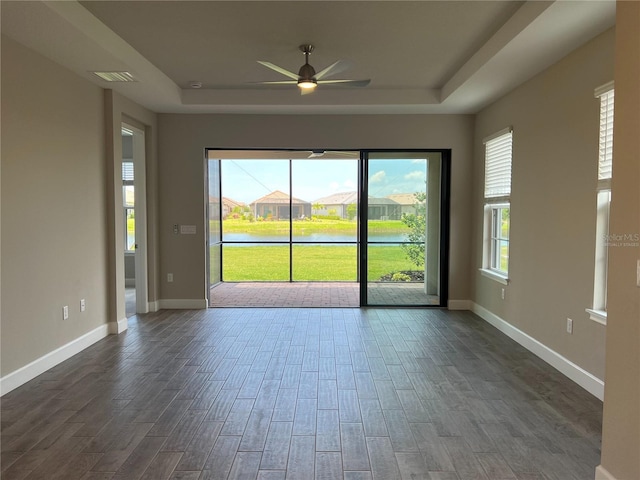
(65, 312)
(503, 294)
(83, 305)
(569, 325)
(169, 277)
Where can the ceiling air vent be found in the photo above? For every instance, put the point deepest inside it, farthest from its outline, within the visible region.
(116, 76)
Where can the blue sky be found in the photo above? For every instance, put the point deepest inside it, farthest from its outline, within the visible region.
(248, 180)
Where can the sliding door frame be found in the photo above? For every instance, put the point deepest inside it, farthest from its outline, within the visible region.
(362, 218)
(445, 185)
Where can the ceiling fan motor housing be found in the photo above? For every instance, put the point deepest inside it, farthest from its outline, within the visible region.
(307, 72)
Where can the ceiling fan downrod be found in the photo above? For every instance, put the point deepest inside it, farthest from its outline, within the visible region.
(307, 73)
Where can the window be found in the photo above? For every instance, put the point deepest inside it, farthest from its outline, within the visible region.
(500, 238)
(598, 312)
(497, 193)
(128, 197)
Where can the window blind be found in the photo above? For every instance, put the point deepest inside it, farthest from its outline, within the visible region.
(127, 171)
(497, 168)
(605, 160)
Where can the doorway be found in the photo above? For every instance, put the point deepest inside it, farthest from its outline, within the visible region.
(403, 235)
(286, 223)
(135, 227)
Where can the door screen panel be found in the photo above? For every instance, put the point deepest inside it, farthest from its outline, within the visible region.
(269, 234)
(402, 228)
(215, 232)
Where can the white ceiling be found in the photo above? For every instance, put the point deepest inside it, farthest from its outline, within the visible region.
(421, 56)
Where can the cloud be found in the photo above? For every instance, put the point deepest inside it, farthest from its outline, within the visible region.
(377, 177)
(418, 160)
(415, 175)
(346, 185)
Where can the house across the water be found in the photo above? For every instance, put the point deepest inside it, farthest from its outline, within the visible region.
(275, 206)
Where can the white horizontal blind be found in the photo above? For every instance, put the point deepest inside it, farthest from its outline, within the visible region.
(497, 168)
(127, 171)
(605, 160)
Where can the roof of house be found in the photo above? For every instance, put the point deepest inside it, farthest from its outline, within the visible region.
(278, 197)
(403, 198)
(340, 198)
(345, 198)
(232, 202)
(381, 201)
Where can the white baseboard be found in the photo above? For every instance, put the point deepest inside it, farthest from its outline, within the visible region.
(21, 376)
(459, 305)
(153, 306)
(586, 380)
(118, 327)
(603, 474)
(182, 304)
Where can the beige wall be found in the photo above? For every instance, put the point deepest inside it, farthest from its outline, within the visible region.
(54, 247)
(62, 221)
(555, 120)
(621, 422)
(182, 139)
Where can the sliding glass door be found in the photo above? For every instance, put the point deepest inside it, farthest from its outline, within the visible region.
(402, 229)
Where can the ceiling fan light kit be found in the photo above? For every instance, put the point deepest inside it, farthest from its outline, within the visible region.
(308, 84)
(307, 79)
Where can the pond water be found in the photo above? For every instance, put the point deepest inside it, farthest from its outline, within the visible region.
(314, 237)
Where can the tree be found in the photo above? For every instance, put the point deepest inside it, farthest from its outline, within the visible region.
(352, 210)
(317, 206)
(417, 223)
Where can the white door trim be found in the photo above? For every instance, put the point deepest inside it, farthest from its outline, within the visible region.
(140, 182)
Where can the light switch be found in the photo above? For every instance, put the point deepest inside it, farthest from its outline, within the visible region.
(188, 229)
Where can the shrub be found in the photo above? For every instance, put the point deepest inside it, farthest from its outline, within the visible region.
(352, 211)
(400, 277)
(417, 223)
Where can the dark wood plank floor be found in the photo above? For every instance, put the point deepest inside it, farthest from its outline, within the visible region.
(302, 394)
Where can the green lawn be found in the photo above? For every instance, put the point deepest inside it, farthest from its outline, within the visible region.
(311, 262)
(387, 259)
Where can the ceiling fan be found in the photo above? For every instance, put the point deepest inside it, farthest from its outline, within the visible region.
(334, 153)
(307, 79)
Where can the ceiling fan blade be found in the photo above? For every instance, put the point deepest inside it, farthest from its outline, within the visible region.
(346, 154)
(348, 83)
(278, 69)
(278, 82)
(334, 153)
(337, 67)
